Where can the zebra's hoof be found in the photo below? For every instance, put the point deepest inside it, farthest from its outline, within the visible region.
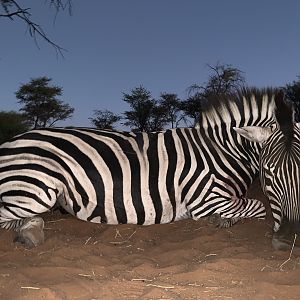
(215, 220)
(31, 233)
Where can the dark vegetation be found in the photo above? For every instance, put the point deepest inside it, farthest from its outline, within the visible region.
(40, 105)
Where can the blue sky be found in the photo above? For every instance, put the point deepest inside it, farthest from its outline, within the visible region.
(165, 45)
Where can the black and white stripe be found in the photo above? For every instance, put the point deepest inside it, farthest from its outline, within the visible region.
(280, 165)
(280, 176)
(118, 177)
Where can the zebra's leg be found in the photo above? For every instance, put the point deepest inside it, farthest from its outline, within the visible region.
(31, 233)
(20, 212)
(218, 221)
(236, 209)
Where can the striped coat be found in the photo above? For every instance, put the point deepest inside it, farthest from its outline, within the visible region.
(119, 177)
(280, 170)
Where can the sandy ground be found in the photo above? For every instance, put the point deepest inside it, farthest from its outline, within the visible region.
(183, 260)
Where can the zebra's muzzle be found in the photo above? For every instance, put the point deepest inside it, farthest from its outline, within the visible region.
(287, 236)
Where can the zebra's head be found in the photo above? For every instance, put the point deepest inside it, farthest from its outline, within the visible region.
(280, 170)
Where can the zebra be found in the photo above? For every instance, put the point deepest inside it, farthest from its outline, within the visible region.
(279, 171)
(117, 177)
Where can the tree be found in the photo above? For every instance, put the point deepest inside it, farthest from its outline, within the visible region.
(13, 10)
(158, 118)
(145, 114)
(292, 92)
(192, 107)
(225, 80)
(172, 107)
(11, 124)
(40, 104)
(104, 119)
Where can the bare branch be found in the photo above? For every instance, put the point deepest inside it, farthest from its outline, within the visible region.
(10, 15)
(33, 28)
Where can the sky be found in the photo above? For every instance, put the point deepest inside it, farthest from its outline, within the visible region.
(114, 46)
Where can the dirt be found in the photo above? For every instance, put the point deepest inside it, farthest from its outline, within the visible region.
(182, 260)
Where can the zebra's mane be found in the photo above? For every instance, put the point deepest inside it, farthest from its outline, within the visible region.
(248, 106)
(284, 114)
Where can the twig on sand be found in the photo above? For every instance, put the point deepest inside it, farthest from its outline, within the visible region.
(199, 228)
(92, 276)
(87, 240)
(210, 254)
(131, 235)
(85, 275)
(161, 286)
(281, 266)
(30, 287)
(118, 234)
(266, 266)
(125, 241)
(214, 287)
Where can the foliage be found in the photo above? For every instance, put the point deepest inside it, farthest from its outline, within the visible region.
(11, 124)
(223, 80)
(158, 118)
(40, 104)
(145, 114)
(13, 10)
(292, 92)
(192, 107)
(172, 107)
(104, 119)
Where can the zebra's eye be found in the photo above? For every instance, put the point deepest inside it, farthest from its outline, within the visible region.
(273, 127)
(269, 169)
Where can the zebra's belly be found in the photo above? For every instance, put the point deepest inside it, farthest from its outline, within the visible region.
(151, 213)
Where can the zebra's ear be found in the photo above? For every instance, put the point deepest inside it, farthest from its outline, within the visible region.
(254, 133)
